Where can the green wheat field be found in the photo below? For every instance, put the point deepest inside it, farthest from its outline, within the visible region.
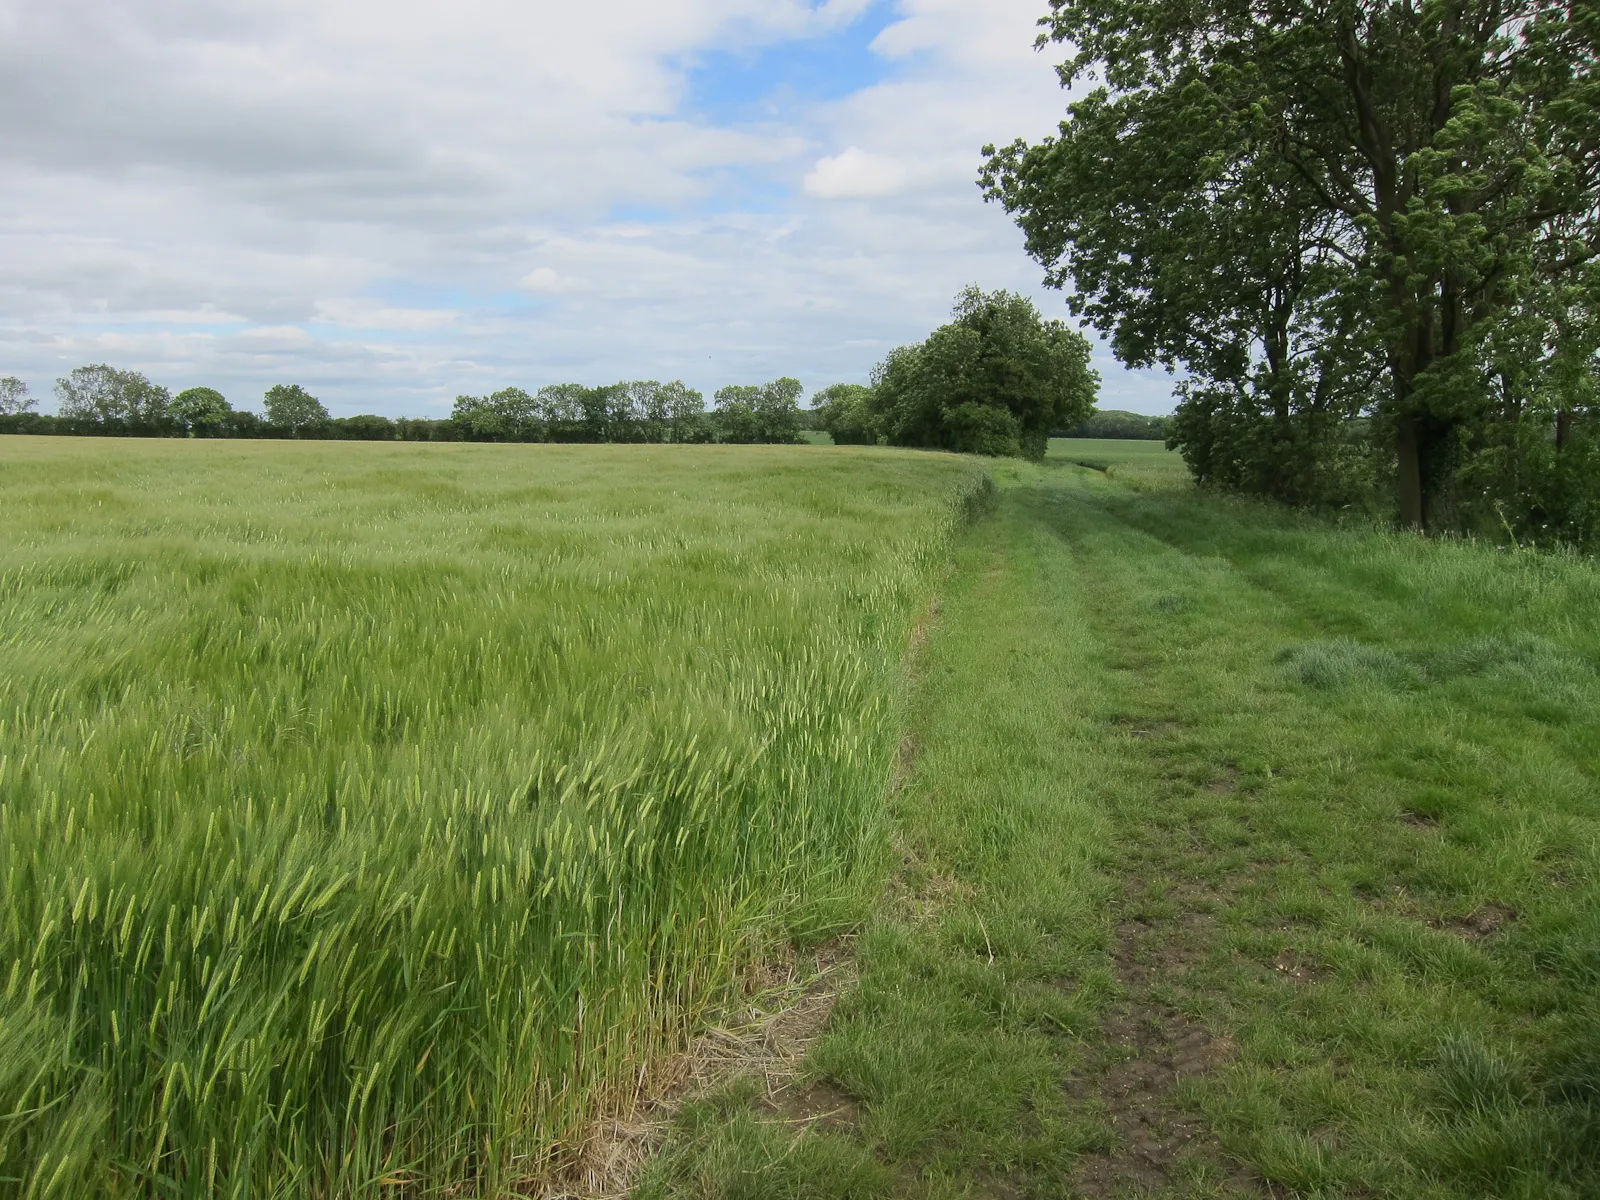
(369, 812)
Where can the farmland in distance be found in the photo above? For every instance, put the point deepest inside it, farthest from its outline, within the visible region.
(368, 810)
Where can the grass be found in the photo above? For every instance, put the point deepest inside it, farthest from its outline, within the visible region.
(1141, 465)
(1240, 851)
(371, 816)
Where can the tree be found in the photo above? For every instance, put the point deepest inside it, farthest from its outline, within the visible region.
(1329, 208)
(845, 412)
(562, 409)
(106, 395)
(289, 406)
(996, 380)
(200, 410)
(647, 410)
(14, 398)
(1116, 424)
(603, 413)
(509, 415)
(686, 412)
(768, 412)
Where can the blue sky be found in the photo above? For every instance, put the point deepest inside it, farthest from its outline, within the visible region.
(775, 81)
(393, 206)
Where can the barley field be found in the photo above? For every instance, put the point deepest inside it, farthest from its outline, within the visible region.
(370, 814)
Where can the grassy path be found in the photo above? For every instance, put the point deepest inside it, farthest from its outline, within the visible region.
(1240, 856)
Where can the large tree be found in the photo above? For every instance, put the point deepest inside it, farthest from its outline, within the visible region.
(509, 415)
(766, 412)
(14, 398)
(998, 379)
(200, 410)
(1324, 207)
(289, 406)
(106, 395)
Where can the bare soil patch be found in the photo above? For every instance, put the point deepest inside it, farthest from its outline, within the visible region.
(1483, 921)
(1147, 727)
(1150, 1046)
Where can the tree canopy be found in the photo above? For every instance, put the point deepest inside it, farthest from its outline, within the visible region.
(291, 407)
(1325, 210)
(14, 397)
(768, 412)
(997, 379)
(199, 410)
(845, 412)
(105, 394)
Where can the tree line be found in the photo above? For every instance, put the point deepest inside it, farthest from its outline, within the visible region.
(103, 401)
(998, 379)
(1121, 425)
(1365, 233)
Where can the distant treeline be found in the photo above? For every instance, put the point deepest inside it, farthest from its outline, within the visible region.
(1115, 423)
(101, 401)
(996, 379)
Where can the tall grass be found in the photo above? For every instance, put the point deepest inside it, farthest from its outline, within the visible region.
(368, 813)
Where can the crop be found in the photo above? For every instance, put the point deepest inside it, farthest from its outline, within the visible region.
(371, 814)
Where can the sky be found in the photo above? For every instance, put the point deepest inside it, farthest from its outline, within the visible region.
(393, 202)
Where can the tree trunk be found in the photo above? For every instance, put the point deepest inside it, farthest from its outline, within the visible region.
(1563, 429)
(1409, 475)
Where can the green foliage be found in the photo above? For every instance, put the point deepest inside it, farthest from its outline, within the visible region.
(1322, 212)
(106, 396)
(200, 410)
(365, 427)
(1118, 425)
(1302, 456)
(14, 398)
(768, 412)
(509, 415)
(289, 406)
(374, 825)
(637, 411)
(997, 380)
(99, 400)
(845, 412)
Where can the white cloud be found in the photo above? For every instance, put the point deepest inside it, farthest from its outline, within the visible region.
(855, 174)
(393, 201)
(543, 279)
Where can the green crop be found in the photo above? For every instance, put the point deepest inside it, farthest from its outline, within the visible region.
(370, 815)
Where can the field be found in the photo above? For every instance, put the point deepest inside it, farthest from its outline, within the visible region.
(373, 816)
(1139, 464)
(1242, 855)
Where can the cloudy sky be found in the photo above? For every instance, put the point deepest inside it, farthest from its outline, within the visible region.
(396, 201)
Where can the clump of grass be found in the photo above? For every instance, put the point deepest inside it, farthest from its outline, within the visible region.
(369, 814)
(1345, 663)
